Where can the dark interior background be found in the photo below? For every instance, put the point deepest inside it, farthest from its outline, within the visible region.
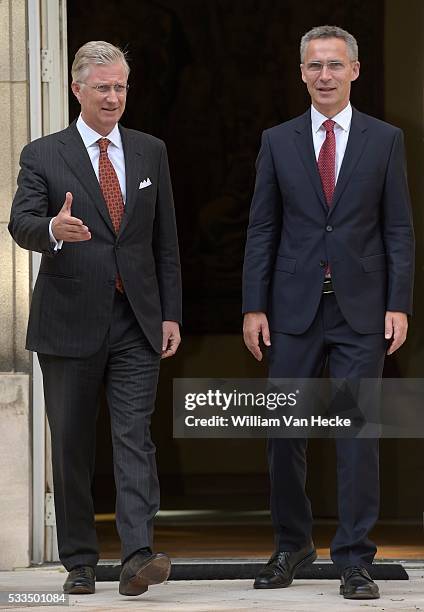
(208, 76)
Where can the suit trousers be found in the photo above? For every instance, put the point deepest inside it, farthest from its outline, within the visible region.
(128, 368)
(328, 341)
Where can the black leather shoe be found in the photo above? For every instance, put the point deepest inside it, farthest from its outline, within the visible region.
(142, 570)
(356, 583)
(80, 581)
(281, 568)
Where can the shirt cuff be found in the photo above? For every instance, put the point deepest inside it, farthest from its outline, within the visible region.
(57, 245)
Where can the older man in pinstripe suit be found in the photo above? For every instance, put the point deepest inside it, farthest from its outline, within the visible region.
(96, 201)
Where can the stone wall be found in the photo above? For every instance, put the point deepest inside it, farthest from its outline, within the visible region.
(15, 461)
(15, 441)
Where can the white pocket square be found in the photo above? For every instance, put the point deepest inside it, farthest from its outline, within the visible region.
(145, 183)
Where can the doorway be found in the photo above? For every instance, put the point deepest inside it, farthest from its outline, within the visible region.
(208, 77)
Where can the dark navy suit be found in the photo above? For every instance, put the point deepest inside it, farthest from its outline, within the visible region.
(366, 237)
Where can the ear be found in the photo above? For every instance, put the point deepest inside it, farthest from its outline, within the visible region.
(355, 71)
(303, 73)
(76, 90)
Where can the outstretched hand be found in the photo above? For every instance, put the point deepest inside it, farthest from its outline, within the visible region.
(68, 228)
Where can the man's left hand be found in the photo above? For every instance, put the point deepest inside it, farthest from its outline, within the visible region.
(170, 338)
(396, 327)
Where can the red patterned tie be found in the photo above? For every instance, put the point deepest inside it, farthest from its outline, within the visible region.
(327, 161)
(109, 184)
(327, 167)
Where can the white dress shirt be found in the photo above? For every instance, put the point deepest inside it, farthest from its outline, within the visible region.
(341, 132)
(115, 153)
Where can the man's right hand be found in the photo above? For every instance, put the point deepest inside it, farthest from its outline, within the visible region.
(255, 324)
(68, 228)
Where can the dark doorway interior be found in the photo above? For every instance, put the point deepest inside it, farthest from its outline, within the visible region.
(208, 76)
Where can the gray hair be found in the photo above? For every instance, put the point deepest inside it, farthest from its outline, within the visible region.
(327, 31)
(96, 52)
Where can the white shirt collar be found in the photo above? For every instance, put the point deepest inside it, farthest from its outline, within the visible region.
(90, 136)
(343, 118)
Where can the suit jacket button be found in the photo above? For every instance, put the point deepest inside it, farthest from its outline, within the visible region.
(329, 228)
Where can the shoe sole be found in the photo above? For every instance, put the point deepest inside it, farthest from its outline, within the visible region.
(306, 561)
(81, 590)
(155, 571)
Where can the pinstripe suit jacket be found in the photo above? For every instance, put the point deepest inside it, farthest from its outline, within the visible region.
(73, 296)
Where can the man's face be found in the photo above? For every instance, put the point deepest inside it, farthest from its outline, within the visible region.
(101, 111)
(328, 72)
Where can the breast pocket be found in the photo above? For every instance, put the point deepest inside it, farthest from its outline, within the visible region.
(358, 177)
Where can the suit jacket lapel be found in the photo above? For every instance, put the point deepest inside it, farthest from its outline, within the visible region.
(354, 149)
(76, 157)
(132, 155)
(305, 148)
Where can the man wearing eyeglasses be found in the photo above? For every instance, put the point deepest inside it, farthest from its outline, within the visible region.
(96, 201)
(328, 277)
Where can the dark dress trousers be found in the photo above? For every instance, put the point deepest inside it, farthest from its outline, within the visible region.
(87, 334)
(366, 237)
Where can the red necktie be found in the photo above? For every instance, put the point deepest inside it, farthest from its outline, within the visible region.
(327, 161)
(109, 184)
(327, 167)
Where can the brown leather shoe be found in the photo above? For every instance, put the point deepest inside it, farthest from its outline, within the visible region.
(356, 583)
(280, 570)
(80, 581)
(141, 570)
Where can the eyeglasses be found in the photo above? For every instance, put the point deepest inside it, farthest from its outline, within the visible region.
(333, 66)
(105, 89)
